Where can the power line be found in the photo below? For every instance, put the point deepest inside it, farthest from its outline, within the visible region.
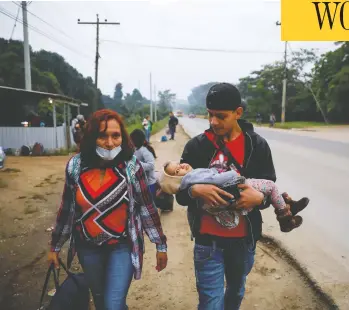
(10, 15)
(47, 23)
(14, 26)
(195, 49)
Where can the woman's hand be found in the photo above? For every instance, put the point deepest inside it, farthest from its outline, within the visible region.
(161, 261)
(52, 257)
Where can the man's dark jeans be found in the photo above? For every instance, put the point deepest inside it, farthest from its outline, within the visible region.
(234, 261)
(172, 132)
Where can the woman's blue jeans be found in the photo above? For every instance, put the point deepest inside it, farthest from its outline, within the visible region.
(108, 271)
(147, 135)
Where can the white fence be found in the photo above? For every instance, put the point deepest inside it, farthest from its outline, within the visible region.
(15, 137)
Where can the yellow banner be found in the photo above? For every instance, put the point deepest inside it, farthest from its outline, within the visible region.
(307, 20)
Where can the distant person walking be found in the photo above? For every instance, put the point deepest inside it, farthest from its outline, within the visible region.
(78, 125)
(272, 120)
(146, 155)
(148, 127)
(259, 118)
(172, 124)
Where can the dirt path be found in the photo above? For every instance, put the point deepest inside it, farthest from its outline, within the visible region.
(29, 198)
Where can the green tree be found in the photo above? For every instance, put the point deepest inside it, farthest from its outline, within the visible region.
(262, 89)
(166, 100)
(197, 98)
(118, 94)
(330, 82)
(50, 73)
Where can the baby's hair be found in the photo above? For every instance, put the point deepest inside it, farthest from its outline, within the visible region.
(166, 164)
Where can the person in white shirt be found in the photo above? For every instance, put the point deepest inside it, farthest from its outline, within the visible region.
(147, 124)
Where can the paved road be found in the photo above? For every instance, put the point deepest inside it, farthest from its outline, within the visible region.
(319, 169)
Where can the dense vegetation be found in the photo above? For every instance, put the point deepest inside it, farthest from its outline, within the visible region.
(318, 93)
(51, 73)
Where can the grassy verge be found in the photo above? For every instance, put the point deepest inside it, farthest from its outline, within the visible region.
(299, 125)
(132, 127)
(157, 126)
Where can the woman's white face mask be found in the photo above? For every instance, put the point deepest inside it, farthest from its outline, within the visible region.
(108, 154)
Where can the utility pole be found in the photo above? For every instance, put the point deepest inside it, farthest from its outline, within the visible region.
(284, 83)
(155, 105)
(94, 108)
(27, 70)
(151, 99)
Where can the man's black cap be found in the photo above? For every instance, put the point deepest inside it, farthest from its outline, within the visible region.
(223, 96)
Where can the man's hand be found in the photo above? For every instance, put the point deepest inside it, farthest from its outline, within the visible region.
(249, 197)
(161, 261)
(210, 194)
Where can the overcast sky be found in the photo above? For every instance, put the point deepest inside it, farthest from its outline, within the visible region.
(244, 26)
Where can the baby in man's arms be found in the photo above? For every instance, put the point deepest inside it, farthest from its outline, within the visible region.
(176, 177)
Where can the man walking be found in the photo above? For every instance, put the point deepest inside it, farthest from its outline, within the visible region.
(219, 252)
(172, 123)
(272, 120)
(78, 125)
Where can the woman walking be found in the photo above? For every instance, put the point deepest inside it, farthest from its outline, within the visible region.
(146, 155)
(106, 206)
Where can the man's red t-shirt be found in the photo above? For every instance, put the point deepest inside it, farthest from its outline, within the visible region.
(208, 224)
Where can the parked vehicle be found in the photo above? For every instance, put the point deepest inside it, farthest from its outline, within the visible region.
(179, 113)
(192, 115)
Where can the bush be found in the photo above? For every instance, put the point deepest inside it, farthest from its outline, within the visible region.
(134, 119)
(132, 127)
(9, 152)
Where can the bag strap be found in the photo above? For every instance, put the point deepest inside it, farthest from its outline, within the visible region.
(231, 159)
(51, 269)
(69, 273)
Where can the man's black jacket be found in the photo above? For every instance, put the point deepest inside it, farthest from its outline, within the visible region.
(258, 164)
(173, 121)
